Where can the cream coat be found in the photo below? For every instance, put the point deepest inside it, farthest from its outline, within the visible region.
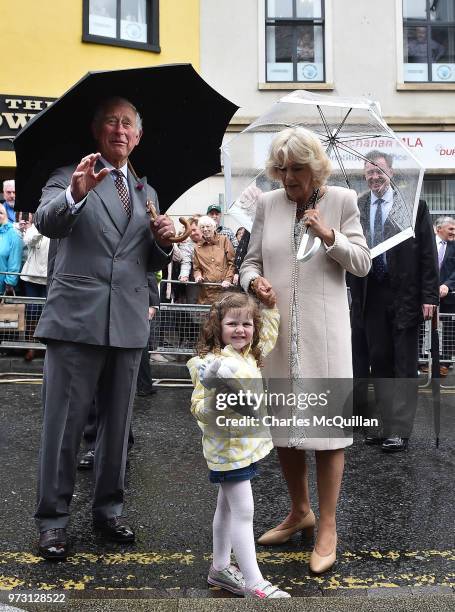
(322, 305)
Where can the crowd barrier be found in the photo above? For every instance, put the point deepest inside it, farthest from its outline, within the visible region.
(175, 329)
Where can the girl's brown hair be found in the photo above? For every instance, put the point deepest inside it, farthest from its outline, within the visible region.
(210, 336)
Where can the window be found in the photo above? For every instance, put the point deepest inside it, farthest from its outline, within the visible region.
(429, 40)
(439, 193)
(294, 31)
(124, 23)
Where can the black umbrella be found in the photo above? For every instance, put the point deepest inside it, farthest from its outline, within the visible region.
(184, 123)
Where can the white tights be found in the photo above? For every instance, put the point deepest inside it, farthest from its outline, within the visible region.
(233, 529)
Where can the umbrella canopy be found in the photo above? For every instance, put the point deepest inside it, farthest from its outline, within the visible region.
(349, 129)
(184, 121)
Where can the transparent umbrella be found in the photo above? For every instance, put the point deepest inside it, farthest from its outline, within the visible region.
(350, 129)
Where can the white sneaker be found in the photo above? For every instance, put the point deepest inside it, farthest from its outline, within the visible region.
(265, 590)
(230, 578)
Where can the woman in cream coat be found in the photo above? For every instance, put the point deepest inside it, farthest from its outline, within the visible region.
(314, 339)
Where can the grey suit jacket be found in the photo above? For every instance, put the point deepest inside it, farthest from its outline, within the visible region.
(98, 293)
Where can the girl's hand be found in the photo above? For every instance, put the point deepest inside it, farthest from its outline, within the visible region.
(225, 284)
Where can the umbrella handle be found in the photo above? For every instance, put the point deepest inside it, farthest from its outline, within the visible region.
(180, 237)
(301, 255)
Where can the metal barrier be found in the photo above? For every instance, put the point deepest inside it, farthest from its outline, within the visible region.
(424, 357)
(175, 330)
(446, 329)
(18, 322)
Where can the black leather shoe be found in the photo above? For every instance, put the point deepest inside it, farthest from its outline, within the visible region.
(87, 460)
(53, 545)
(114, 529)
(395, 444)
(373, 440)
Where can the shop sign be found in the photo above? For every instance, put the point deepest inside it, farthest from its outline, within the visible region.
(15, 111)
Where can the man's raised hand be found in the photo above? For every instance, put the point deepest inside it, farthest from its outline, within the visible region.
(85, 178)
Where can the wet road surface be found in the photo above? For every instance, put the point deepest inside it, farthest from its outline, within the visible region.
(395, 522)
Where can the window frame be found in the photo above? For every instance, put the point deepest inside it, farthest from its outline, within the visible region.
(153, 30)
(437, 176)
(428, 24)
(325, 21)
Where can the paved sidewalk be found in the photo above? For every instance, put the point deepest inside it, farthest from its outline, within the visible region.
(431, 603)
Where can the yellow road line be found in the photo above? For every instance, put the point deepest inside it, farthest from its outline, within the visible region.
(189, 558)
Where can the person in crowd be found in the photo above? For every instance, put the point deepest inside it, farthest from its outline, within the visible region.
(214, 212)
(239, 233)
(9, 195)
(314, 338)
(233, 342)
(34, 278)
(247, 201)
(243, 236)
(445, 244)
(417, 47)
(172, 292)
(187, 251)
(305, 45)
(10, 254)
(400, 290)
(189, 322)
(213, 261)
(96, 317)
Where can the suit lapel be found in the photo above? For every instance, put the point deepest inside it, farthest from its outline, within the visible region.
(449, 253)
(397, 218)
(364, 208)
(108, 194)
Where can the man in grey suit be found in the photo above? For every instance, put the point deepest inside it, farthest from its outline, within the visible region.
(95, 320)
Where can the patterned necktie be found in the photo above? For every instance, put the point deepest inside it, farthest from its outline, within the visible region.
(441, 252)
(122, 192)
(379, 267)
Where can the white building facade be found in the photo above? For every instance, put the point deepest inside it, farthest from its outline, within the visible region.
(400, 53)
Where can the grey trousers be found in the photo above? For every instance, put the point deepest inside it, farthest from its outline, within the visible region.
(73, 374)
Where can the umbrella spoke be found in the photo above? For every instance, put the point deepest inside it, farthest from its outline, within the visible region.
(341, 124)
(323, 119)
(348, 138)
(340, 162)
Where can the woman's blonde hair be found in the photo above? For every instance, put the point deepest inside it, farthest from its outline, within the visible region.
(301, 146)
(210, 335)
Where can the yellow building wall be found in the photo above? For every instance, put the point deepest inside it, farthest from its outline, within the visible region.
(43, 53)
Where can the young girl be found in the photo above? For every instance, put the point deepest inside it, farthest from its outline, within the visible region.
(232, 343)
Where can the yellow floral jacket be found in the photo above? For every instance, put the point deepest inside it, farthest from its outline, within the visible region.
(234, 442)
